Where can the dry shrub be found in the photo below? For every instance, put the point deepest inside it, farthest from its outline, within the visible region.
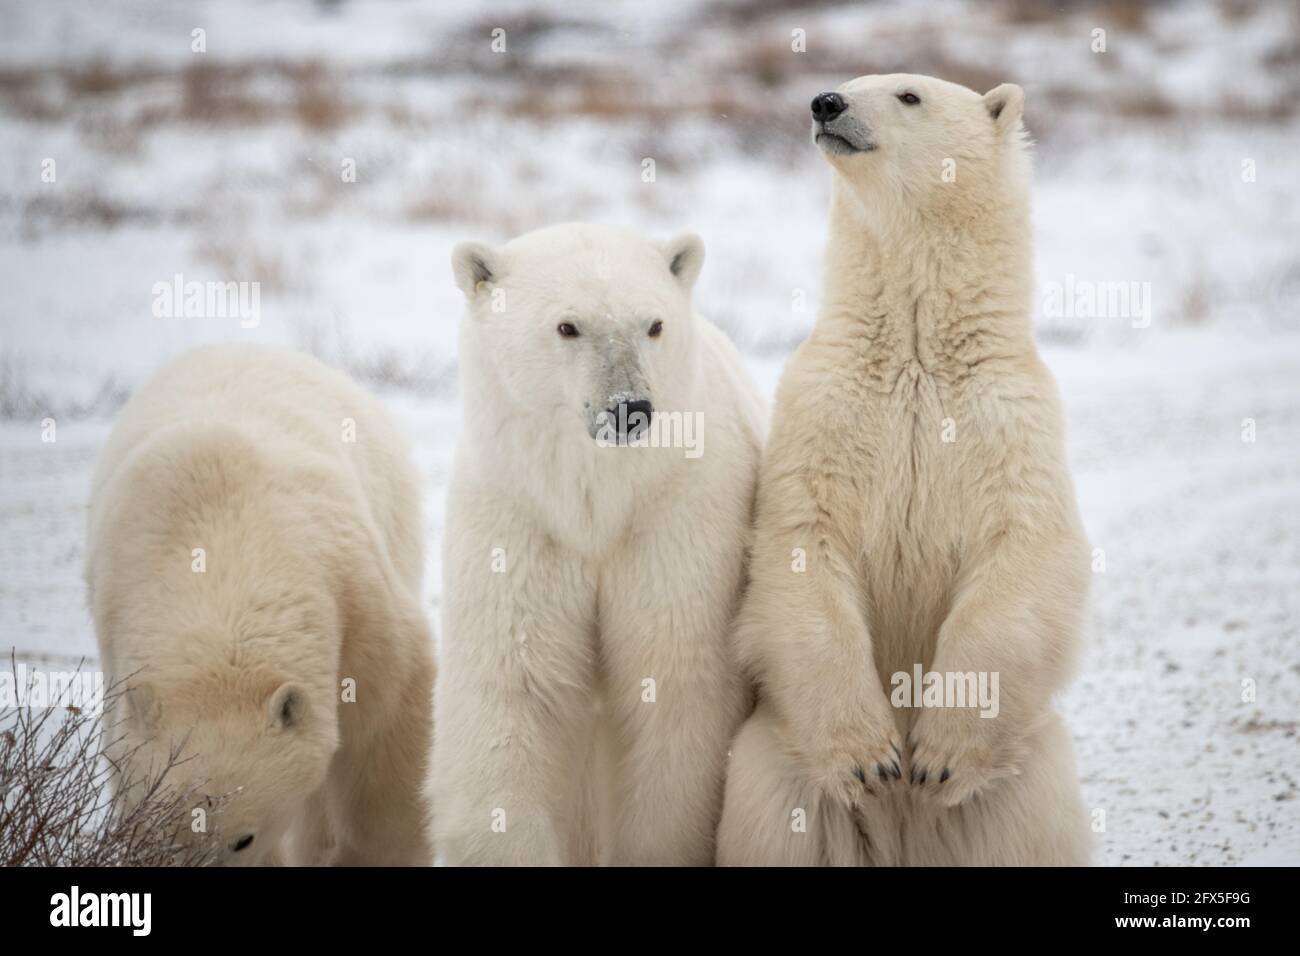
(57, 804)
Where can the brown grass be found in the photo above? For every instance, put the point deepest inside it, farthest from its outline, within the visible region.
(318, 102)
(1109, 14)
(1235, 11)
(82, 208)
(618, 99)
(19, 401)
(97, 78)
(218, 95)
(1146, 104)
(239, 258)
(1232, 108)
(204, 91)
(1194, 308)
(748, 11)
(31, 94)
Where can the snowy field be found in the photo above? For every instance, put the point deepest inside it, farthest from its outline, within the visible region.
(1168, 160)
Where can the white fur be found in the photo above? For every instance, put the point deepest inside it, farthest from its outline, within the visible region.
(313, 555)
(963, 556)
(621, 564)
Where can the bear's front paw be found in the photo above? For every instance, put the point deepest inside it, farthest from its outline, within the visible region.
(855, 759)
(954, 753)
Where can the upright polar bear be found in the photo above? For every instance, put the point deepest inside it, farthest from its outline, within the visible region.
(587, 692)
(255, 543)
(916, 461)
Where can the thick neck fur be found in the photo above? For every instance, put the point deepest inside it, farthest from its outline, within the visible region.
(946, 286)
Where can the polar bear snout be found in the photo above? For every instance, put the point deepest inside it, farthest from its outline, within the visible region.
(837, 129)
(624, 421)
(827, 106)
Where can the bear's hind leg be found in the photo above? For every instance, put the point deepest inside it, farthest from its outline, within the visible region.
(1036, 818)
(773, 814)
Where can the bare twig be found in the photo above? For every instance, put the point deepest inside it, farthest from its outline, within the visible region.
(58, 803)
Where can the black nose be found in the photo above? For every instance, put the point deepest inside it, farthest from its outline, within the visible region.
(827, 106)
(631, 418)
(243, 843)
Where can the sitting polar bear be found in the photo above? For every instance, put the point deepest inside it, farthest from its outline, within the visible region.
(916, 472)
(254, 567)
(597, 523)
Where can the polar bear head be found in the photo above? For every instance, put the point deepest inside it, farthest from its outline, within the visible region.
(902, 141)
(246, 749)
(578, 326)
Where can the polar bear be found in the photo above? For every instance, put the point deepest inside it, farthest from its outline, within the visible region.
(597, 523)
(915, 514)
(254, 568)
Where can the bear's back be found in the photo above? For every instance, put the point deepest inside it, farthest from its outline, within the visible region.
(296, 412)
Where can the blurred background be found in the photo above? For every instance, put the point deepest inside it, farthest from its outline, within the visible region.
(333, 152)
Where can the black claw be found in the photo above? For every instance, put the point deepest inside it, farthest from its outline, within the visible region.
(921, 779)
(862, 777)
(945, 775)
(882, 772)
(912, 775)
(898, 771)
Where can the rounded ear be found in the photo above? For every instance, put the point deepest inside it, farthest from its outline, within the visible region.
(473, 263)
(287, 706)
(1005, 104)
(144, 705)
(685, 255)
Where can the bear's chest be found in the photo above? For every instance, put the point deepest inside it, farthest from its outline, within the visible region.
(910, 438)
(916, 499)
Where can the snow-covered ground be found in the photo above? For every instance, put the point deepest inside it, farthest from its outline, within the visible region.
(1167, 160)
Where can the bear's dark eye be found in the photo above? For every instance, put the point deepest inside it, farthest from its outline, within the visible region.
(656, 327)
(568, 330)
(911, 99)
